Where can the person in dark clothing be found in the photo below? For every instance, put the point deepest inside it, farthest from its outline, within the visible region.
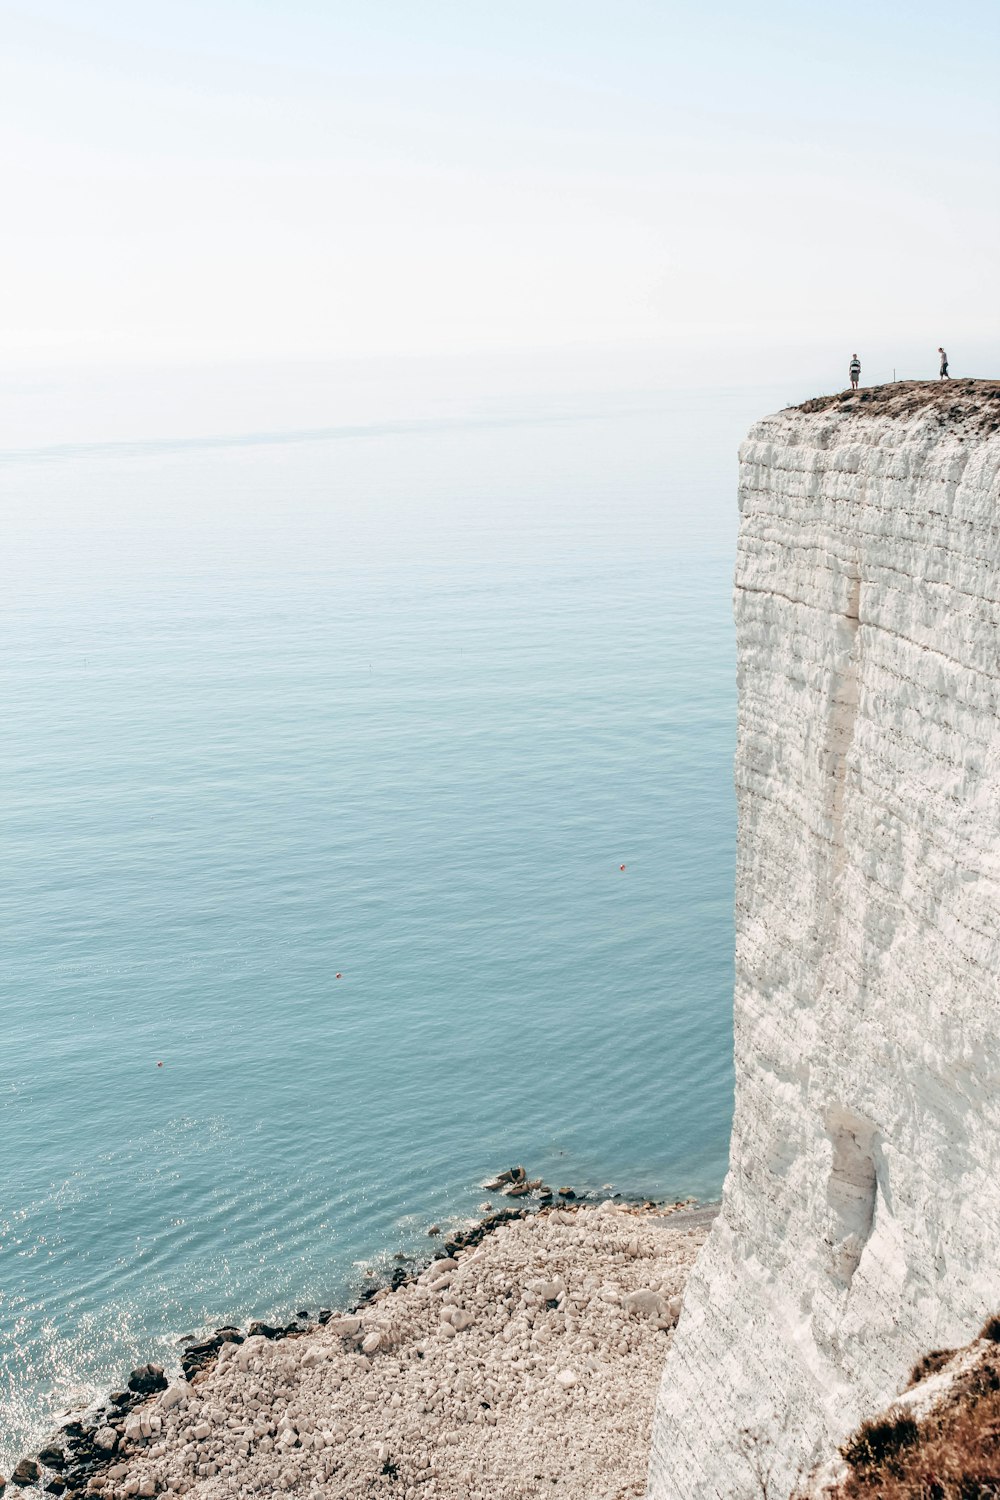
(855, 371)
(944, 365)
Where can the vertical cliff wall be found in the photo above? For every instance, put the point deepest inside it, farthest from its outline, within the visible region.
(861, 1215)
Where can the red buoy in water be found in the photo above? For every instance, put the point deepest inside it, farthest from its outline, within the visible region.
(621, 867)
(338, 976)
(159, 1065)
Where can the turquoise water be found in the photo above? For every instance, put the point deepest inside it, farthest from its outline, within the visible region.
(392, 704)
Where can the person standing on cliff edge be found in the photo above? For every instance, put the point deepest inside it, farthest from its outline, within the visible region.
(944, 365)
(855, 371)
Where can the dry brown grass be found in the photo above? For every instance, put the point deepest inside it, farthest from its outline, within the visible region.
(952, 1454)
(929, 1365)
(972, 404)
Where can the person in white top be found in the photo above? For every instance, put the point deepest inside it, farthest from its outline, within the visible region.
(944, 365)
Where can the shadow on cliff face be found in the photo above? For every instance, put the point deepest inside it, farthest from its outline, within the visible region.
(971, 403)
(852, 1190)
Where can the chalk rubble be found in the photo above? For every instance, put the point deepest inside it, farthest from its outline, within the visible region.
(499, 1371)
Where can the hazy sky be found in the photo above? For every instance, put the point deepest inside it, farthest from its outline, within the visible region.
(224, 178)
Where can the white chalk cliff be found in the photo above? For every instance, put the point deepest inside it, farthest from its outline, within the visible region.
(861, 1214)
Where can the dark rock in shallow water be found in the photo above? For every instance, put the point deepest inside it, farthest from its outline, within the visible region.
(197, 1356)
(27, 1472)
(512, 1175)
(303, 1312)
(55, 1486)
(325, 1314)
(147, 1379)
(52, 1456)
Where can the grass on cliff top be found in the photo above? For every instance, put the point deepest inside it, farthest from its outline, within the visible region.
(953, 1453)
(974, 403)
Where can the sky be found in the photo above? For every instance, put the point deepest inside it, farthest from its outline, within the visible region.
(209, 180)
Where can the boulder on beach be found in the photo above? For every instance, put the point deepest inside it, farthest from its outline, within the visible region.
(548, 1291)
(175, 1394)
(344, 1328)
(27, 1472)
(649, 1303)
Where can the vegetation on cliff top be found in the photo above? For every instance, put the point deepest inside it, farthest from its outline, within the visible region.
(950, 1453)
(975, 402)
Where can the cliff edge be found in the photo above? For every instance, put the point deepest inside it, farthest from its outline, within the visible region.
(861, 1212)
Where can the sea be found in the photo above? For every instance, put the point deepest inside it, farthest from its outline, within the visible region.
(368, 828)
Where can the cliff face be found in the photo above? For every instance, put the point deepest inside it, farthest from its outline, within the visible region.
(861, 1214)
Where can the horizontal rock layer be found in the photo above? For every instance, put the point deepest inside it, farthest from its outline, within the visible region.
(861, 1214)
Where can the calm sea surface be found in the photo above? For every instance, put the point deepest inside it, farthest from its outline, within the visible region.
(392, 704)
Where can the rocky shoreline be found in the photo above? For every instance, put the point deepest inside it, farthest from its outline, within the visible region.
(614, 1269)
